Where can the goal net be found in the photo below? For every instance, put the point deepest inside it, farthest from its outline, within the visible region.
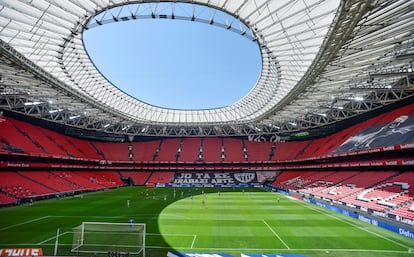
(103, 237)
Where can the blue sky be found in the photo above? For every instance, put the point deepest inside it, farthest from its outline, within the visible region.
(175, 64)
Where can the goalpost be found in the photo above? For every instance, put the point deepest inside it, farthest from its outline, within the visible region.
(105, 237)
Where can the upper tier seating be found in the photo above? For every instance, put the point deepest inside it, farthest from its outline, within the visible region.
(289, 150)
(258, 151)
(113, 151)
(212, 149)
(39, 137)
(89, 150)
(190, 150)
(169, 150)
(19, 136)
(62, 140)
(146, 151)
(233, 150)
(17, 142)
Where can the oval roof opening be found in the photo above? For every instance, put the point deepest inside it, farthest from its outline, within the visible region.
(175, 63)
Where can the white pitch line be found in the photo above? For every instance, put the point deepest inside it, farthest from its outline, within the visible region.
(244, 249)
(361, 228)
(281, 240)
(192, 244)
(44, 241)
(157, 234)
(282, 249)
(26, 222)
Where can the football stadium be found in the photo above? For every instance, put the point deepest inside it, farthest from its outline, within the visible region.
(316, 160)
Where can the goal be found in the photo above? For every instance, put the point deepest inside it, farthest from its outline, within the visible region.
(104, 237)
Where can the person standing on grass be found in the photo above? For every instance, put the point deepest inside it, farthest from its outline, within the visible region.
(131, 224)
(128, 203)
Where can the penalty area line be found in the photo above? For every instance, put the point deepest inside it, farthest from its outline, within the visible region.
(194, 239)
(274, 233)
(23, 223)
(54, 237)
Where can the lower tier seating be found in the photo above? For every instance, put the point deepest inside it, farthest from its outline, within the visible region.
(138, 177)
(384, 191)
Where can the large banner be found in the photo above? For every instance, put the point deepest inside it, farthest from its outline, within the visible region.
(21, 252)
(224, 178)
(399, 131)
(217, 178)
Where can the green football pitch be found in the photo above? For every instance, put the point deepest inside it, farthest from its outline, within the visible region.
(230, 221)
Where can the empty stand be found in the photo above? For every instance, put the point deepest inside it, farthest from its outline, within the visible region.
(170, 149)
(212, 149)
(113, 151)
(326, 186)
(404, 211)
(310, 179)
(287, 178)
(102, 179)
(289, 150)
(154, 159)
(348, 190)
(258, 151)
(6, 199)
(83, 181)
(146, 150)
(138, 177)
(160, 177)
(233, 150)
(36, 135)
(16, 185)
(190, 149)
(51, 180)
(17, 142)
(88, 149)
(63, 143)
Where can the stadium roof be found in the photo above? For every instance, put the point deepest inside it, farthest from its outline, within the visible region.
(322, 61)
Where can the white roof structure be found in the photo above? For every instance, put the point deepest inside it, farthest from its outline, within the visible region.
(322, 61)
